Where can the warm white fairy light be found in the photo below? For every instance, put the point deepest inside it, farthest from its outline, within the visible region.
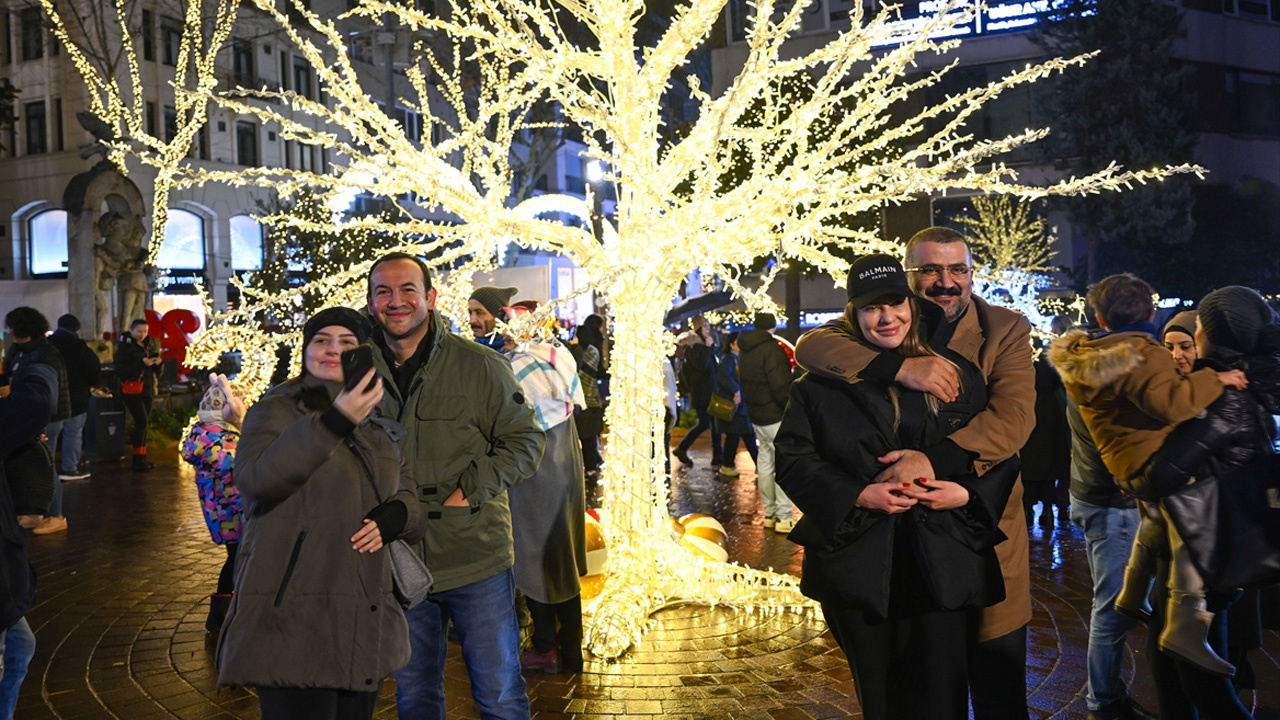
(672, 214)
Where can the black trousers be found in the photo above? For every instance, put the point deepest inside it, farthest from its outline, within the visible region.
(568, 615)
(139, 407)
(316, 704)
(998, 677)
(704, 423)
(909, 668)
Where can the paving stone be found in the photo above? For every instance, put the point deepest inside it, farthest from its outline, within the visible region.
(119, 621)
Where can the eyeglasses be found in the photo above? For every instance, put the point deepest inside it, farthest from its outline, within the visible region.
(933, 271)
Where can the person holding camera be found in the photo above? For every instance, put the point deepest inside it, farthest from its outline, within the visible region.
(137, 363)
(315, 625)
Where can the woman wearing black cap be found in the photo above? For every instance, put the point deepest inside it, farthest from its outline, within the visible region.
(314, 625)
(895, 567)
(1235, 329)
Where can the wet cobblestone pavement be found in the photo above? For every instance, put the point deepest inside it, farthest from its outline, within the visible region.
(119, 622)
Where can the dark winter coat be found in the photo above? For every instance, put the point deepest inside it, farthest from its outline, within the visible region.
(830, 437)
(728, 385)
(23, 415)
(1091, 481)
(1046, 458)
(765, 375)
(84, 369)
(698, 374)
(38, 351)
(309, 611)
(1201, 452)
(129, 366)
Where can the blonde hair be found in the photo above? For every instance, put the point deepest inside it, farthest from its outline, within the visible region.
(913, 345)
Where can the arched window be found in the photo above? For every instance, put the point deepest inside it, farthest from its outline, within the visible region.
(246, 243)
(48, 242)
(183, 247)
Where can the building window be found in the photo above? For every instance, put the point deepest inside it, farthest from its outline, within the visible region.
(148, 36)
(302, 77)
(47, 233)
(151, 119)
(1256, 103)
(246, 243)
(170, 123)
(57, 124)
(37, 128)
(306, 157)
(183, 247)
(242, 63)
(32, 21)
(202, 142)
(247, 143)
(170, 40)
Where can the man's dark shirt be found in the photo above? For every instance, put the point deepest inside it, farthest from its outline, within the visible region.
(403, 374)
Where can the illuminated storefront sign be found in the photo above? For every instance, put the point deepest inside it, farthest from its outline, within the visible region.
(833, 16)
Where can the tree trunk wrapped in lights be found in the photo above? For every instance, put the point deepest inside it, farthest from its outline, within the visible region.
(674, 213)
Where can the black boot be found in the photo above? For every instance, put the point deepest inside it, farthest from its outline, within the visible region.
(141, 463)
(219, 603)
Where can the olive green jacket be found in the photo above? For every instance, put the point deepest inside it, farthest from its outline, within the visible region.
(469, 428)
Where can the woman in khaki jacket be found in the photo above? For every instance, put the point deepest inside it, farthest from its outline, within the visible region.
(315, 626)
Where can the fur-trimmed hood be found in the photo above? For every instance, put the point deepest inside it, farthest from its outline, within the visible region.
(1091, 364)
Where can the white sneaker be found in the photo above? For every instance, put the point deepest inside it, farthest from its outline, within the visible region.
(728, 471)
(73, 477)
(784, 526)
(770, 521)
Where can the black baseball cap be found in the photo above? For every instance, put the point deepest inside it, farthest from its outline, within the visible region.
(875, 276)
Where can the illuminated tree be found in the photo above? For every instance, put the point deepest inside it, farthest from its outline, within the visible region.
(673, 214)
(1005, 236)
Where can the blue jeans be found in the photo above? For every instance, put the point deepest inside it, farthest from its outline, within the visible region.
(484, 614)
(19, 647)
(72, 440)
(1108, 538)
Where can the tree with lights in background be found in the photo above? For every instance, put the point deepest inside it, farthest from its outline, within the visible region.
(674, 213)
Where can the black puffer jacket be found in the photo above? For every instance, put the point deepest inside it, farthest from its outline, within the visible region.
(1201, 452)
(38, 351)
(765, 374)
(831, 435)
(129, 363)
(84, 370)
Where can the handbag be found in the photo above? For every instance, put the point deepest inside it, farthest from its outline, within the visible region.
(131, 387)
(1230, 521)
(411, 580)
(721, 408)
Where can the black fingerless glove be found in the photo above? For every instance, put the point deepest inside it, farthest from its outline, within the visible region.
(391, 517)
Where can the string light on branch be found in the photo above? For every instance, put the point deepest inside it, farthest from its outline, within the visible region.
(747, 179)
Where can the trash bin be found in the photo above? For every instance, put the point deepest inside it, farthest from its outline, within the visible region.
(104, 430)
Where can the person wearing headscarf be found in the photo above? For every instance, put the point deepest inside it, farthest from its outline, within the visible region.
(210, 446)
(315, 625)
(1179, 338)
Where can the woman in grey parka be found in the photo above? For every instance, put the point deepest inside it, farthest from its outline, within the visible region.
(315, 626)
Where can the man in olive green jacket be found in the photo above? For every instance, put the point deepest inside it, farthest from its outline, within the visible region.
(470, 437)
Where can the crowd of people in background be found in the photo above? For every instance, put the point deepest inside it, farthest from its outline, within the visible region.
(906, 449)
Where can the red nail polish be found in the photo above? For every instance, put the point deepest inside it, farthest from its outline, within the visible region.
(906, 485)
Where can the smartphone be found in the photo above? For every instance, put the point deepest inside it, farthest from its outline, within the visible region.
(355, 363)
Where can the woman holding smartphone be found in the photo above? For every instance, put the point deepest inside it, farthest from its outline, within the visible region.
(314, 626)
(896, 567)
